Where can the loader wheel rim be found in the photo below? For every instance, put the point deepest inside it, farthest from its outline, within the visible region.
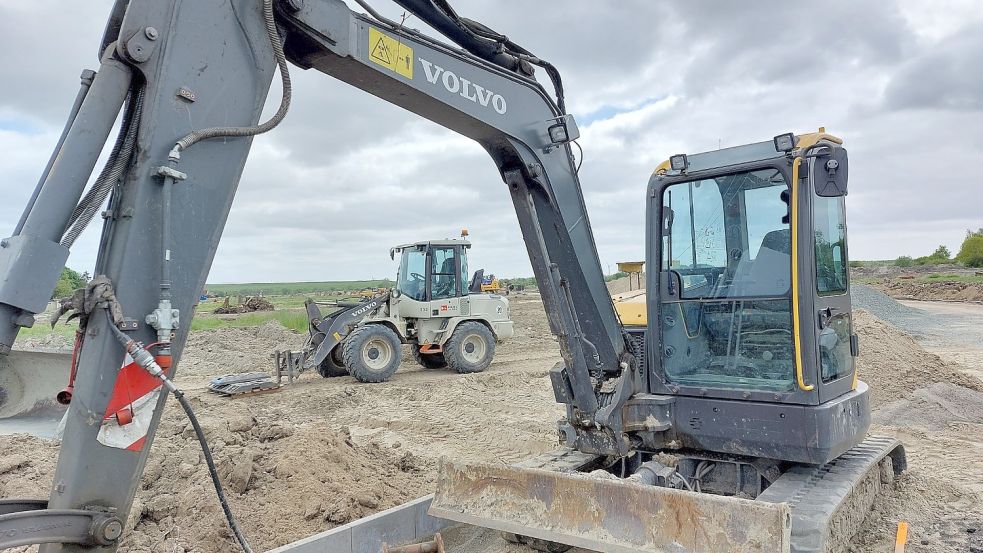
(473, 348)
(377, 353)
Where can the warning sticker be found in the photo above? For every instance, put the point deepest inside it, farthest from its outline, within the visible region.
(390, 53)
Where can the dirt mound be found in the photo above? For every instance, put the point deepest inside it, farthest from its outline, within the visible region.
(48, 341)
(323, 452)
(250, 305)
(622, 285)
(894, 365)
(934, 407)
(211, 353)
(932, 290)
(283, 483)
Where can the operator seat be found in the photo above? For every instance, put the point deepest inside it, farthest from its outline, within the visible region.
(446, 280)
(769, 273)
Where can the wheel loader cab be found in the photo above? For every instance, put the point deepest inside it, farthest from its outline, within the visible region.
(431, 271)
(433, 294)
(750, 300)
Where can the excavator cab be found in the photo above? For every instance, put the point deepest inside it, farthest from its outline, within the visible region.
(753, 273)
(752, 297)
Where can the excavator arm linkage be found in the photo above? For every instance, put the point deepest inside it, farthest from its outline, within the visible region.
(179, 67)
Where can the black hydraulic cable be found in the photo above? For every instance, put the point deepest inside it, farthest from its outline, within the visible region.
(145, 360)
(212, 471)
(281, 61)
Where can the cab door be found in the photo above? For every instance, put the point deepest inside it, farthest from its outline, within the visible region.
(836, 345)
(445, 281)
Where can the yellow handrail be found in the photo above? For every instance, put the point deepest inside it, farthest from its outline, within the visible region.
(797, 338)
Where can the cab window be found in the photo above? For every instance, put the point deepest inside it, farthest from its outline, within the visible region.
(443, 273)
(829, 215)
(412, 270)
(727, 242)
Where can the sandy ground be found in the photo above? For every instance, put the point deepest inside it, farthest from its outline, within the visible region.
(931, 291)
(324, 452)
(959, 336)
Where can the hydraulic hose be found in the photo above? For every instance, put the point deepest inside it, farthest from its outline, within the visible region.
(145, 360)
(119, 161)
(281, 61)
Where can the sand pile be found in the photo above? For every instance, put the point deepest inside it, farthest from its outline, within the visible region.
(250, 305)
(894, 365)
(211, 353)
(622, 285)
(931, 290)
(283, 483)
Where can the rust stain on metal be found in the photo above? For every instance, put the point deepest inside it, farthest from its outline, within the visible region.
(607, 515)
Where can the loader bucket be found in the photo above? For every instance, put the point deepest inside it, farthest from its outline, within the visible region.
(607, 515)
(30, 380)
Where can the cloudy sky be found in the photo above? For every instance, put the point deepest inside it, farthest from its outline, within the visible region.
(900, 80)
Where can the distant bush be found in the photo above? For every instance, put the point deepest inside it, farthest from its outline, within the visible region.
(68, 282)
(940, 256)
(856, 264)
(971, 252)
(904, 261)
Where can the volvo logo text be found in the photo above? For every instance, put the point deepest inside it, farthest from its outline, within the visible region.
(361, 310)
(467, 89)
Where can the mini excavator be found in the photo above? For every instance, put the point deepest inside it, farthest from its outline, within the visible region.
(725, 415)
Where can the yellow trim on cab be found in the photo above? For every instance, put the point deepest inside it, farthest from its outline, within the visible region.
(797, 343)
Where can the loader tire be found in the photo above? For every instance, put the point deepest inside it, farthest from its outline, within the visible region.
(372, 353)
(429, 360)
(333, 365)
(470, 348)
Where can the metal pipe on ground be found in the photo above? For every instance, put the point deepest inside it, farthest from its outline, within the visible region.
(436, 545)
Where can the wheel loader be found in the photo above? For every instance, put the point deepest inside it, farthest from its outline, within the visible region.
(446, 319)
(730, 418)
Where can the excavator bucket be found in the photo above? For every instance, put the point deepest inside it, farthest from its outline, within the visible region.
(607, 515)
(30, 380)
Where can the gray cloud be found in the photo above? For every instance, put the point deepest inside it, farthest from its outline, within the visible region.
(947, 75)
(322, 198)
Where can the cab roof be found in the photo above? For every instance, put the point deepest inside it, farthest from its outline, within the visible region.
(438, 243)
(746, 153)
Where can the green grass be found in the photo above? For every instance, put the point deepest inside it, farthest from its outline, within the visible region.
(43, 329)
(294, 320)
(294, 288)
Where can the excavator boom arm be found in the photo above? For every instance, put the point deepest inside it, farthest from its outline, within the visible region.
(180, 67)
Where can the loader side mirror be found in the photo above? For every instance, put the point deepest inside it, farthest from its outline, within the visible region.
(829, 172)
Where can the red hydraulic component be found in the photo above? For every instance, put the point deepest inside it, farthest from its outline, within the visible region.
(124, 416)
(64, 397)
